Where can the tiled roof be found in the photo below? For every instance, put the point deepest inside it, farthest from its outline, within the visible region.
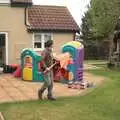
(42, 17)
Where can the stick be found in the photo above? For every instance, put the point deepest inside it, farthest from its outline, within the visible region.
(50, 67)
(1, 116)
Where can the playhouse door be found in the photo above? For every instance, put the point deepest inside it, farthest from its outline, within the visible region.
(27, 74)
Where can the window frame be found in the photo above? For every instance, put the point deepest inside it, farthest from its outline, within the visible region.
(42, 40)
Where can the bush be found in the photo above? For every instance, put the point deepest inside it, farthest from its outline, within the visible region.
(97, 50)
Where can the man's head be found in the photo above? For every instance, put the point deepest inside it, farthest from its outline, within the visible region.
(49, 44)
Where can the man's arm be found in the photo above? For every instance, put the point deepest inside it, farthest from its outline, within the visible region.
(44, 66)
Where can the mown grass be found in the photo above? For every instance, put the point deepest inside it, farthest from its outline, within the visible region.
(103, 103)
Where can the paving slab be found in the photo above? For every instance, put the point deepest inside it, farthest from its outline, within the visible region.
(13, 89)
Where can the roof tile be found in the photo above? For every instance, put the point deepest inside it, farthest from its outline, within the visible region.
(42, 17)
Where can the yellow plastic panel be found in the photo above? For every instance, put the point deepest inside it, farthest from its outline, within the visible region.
(27, 74)
(70, 76)
(75, 44)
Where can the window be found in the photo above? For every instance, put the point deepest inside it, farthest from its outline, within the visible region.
(40, 39)
(47, 37)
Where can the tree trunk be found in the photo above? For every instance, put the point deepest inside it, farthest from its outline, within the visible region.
(111, 46)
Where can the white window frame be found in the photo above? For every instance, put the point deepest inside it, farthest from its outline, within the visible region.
(4, 1)
(42, 41)
(6, 46)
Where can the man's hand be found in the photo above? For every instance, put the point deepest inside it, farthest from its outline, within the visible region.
(47, 69)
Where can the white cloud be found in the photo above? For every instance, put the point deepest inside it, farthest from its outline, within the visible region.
(76, 7)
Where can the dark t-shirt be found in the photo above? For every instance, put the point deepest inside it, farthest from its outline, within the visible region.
(47, 58)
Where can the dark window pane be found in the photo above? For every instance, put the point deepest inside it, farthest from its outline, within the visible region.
(37, 45)
(2, 40)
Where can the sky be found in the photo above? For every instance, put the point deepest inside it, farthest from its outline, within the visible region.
(76, 7)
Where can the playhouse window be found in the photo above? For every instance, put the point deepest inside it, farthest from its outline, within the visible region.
(40, 39)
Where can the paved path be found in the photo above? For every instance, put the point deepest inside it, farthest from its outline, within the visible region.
(90, 66)
(13, 89)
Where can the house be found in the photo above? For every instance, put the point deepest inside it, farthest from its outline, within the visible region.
(24, 25)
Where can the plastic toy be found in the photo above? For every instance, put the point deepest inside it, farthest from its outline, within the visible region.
(70, 68)
(71, 63)
(29, 65)
(17, 73)
(76, 50)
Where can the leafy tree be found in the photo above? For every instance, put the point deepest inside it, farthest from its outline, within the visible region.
(100, 19)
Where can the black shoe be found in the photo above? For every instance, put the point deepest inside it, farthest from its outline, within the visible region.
(40, 95)
(51, 98)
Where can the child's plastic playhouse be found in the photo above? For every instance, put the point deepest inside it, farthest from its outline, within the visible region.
(71, 63)
(76, 50)
(30, 65)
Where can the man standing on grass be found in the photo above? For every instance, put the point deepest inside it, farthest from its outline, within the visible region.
(47, 72)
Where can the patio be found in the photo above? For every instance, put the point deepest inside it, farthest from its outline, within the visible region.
(13, 89)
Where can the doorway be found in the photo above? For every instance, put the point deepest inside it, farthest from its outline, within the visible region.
(3, 48)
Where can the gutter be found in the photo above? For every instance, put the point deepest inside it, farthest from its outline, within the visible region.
(26, 17)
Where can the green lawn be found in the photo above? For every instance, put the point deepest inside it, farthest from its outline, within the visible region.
(103, 103)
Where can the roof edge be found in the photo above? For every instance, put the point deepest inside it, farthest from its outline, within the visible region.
(49, 5)
(52, 30)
